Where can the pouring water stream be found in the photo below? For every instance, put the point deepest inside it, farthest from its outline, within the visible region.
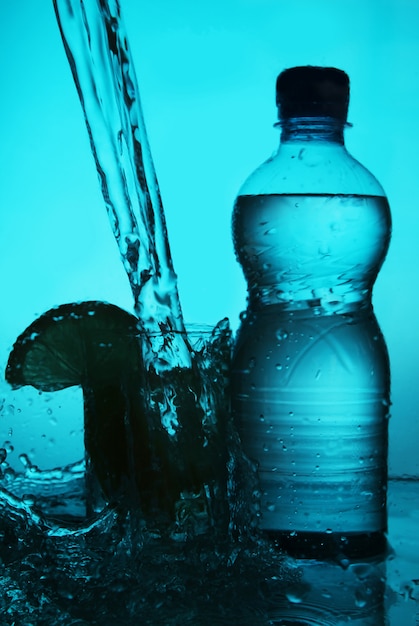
(97, 48)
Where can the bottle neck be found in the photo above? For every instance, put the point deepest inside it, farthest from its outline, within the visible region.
(319, 129)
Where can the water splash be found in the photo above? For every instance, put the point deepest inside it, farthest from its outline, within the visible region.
(97, 48)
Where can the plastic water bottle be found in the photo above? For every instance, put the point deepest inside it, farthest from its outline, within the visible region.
(311, 378)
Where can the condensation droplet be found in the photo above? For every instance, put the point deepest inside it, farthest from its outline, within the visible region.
(360, 599)
(281, 334)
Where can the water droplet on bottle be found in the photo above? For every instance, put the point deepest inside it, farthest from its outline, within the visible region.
(278, 367)
(252, 362)
(281, 334)
(360, 599)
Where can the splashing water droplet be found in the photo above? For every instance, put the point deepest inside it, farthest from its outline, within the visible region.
(3, 455)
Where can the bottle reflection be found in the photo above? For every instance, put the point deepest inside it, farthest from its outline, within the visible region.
(327, 593)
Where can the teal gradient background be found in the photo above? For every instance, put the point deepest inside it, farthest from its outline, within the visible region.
(207, 73)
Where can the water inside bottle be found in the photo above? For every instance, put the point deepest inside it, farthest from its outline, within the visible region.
(320, 251)
(311, 373)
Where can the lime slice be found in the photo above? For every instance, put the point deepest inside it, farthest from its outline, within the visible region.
(94, 345)
(74, 344)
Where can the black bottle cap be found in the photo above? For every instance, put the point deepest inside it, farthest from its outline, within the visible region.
(311, 91)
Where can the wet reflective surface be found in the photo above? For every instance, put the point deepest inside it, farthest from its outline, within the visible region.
(115, 571)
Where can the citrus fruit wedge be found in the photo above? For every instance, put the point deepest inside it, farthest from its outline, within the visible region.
(93, 345)
(74, 344)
